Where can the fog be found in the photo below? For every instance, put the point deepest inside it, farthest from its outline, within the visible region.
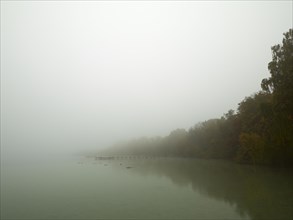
(84, 75)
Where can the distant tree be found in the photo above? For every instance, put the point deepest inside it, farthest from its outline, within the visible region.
(176, 142)
(253, 112)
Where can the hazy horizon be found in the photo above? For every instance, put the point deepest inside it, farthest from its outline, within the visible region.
(84, 75)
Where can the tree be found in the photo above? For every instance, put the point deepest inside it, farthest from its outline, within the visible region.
(280, 83)
(251, 148)
(260, 132)
(254, 112)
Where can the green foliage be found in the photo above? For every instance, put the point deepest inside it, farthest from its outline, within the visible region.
(252, 148)
(260, 132)
(254, 111)
(280, 85)
(216, 138)
(281, 80)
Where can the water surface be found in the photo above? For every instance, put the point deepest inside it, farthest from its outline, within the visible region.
(147, 189)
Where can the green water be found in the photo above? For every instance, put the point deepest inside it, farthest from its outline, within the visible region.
(151, 189)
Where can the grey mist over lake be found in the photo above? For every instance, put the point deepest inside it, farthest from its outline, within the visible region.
(79, 77)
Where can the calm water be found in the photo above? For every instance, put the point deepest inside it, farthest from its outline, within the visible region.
(151, 189)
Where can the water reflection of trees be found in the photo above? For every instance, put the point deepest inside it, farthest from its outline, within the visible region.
(260, 192)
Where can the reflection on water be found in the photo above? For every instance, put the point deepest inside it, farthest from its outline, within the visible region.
(260, 192)
(148, 188)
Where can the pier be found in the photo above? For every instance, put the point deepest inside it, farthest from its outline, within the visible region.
(124, 157)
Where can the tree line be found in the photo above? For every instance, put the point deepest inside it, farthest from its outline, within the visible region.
(260, 131)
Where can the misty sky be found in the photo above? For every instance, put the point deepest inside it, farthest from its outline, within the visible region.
(79, 75)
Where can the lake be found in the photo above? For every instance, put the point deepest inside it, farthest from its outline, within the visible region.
(155, 188)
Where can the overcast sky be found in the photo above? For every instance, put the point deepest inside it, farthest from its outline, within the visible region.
(78, 75)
